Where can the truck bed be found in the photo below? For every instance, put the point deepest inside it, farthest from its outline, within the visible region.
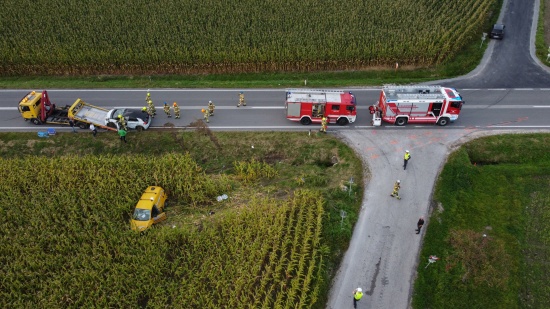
(91, 114)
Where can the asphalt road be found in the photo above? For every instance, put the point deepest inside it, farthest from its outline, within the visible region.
(508, 91)
(485, 108)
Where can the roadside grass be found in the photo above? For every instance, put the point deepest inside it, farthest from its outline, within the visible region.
(320, 163)
(496, 186)
(542, 38)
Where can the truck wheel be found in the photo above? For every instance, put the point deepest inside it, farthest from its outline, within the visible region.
(36, 121)
(140, 128)
(305, 121)
(342, 121)
(443, 121)
(83, 125)
(401, 121)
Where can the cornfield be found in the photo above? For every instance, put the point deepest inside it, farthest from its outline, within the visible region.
(58, 37)
(65, 238)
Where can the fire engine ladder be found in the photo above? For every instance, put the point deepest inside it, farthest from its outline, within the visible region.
(310, 95)
(413, 89)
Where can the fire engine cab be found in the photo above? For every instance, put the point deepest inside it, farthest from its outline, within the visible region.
(400, 105)
(311, 105)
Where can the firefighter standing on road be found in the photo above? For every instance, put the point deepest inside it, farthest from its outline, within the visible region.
(147, 97)
(323, 125)
(152, 107)
(167, 110)
(241, 99)
(406, 159)
(357, 295)
(176, 110)
(396, 188)
(211, 107)
(151, 110)
(206, 114)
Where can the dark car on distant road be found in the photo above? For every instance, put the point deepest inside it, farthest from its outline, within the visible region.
(497, 32)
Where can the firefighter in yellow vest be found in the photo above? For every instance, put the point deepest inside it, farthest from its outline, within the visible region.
(406, 159)
(176, 110)
(206, 114)
(241, 99)
(396, 188)
(167, 110)
(122, 122)
(147, 97)
(152, 107)
(211, 107)
(323, 125)
(357, 295)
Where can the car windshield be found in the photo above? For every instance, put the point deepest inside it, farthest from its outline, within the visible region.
(142, 215)
(117, 112)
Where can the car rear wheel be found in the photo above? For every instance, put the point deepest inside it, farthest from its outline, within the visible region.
(443, 121)
(401, 121)
(342, 121)
(305, 121)
(140, 128)
(111, 125)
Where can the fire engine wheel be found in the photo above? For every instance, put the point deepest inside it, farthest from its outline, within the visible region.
(83, 125)
(342, 121)
(305, 121)
(36, 121)
(443, 121)
(401, 121)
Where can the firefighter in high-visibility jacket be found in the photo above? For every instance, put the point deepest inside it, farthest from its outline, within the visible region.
(206, 113)
(176, 110)
(147, 110)
(152, 107)
(167, 110)
(147, 97)
(396, 188)
(122, 123)
(211, 107)
(241, 100)
(323, 125)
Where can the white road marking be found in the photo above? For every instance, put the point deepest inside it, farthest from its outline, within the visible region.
(518, 126)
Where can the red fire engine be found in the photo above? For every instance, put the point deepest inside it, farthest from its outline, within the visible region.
(417, 104)
(311, 105)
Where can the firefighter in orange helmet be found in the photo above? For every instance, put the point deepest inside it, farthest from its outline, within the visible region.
(206, 113)
(176, 110)
(323, 125)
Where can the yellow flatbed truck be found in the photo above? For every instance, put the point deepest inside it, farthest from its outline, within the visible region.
(37, 108)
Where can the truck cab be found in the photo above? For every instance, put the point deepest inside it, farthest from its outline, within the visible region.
(30, 107)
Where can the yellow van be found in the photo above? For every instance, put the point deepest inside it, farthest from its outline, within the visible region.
(149, 210)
